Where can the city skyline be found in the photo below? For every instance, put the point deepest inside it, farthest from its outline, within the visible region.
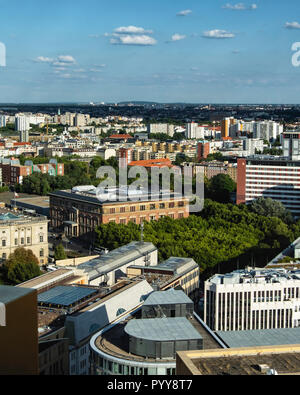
(209, 52)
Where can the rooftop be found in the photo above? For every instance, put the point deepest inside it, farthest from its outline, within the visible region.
(115, 195)
(42, 201)
(256, 276)
(115, 341)
(162, 329)
(249, 360)
(9, 293)
(65, 296)
(116, 258)
(260, 337)
(167, 297)
(10, 216)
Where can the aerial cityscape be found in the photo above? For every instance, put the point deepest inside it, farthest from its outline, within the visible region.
(149, 190)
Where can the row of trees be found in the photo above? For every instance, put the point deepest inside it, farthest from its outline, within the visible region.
(76, 173)
(221, 235)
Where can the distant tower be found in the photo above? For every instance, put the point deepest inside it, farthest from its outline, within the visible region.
(58, 112)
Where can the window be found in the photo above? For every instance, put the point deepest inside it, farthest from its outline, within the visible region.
(112, 211)
(132, 208)
(3, 243)
(16, 242)
(28, 240)
(41, 239)
(162, 205)
(122, 209)
(142, 208)
(152, 206)
(41, 253)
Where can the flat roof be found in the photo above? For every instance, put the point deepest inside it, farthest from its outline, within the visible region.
(248, 364)
(162, 329)
(114, 343)
(9, 293)
(64, 295)
(170, 296)
(47, 278)
(260, 337)
(41, 201)
(116, 258)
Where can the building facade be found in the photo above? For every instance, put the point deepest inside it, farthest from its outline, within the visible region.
(277, 178)
(20, 230)
(252, 299)
(78, 213)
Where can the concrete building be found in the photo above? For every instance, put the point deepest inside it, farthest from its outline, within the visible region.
(164, 128)
(109, 268)
(23, 230)
(173, 273)
(82, 325)
(251, 146)
(18, 331)
(22, 123)
(203, 150)
(2, 121)
(243, 361)
(277, 178)
(252, 299)
(291, 144)
(13, 172)
(78, 211)
(148, 346)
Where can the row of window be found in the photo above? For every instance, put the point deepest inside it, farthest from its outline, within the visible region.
(141, 219)
(104, 366)
(22, 241)
(152, 206)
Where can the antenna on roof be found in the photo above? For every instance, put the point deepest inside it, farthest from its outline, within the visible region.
(142, 231)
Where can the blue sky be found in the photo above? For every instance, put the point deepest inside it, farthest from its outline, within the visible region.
(200, 51)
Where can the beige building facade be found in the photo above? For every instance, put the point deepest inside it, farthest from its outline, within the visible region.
(19, 230)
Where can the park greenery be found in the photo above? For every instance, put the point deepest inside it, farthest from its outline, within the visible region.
(76, 173)
(222, 237)
(22, 265)
(59, 252)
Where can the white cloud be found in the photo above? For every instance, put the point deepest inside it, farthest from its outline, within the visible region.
(132, 39)
(66, 59)
(218, 34)
(60, 61)
(240, 6)
(94, 35)
(131, 35)
(292, 25)
(177, 37)
(184, 13)
(43, 59)
(132, 30)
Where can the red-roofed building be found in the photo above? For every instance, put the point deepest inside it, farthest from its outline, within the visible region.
(123, 137)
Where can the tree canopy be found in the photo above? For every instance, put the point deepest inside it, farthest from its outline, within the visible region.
(22, 265)
(220, 235)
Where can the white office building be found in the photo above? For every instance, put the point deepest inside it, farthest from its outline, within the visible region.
(253, 299)
(22, 123)
(2, 121)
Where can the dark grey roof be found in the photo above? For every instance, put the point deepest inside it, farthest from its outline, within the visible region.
(167, 297)
(116, 258)
(162, 329)
(260, 337)
(9, 293)
(65, 295)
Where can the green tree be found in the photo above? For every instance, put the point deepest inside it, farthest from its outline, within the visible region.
(22, 265)
(271, 208)
(59, 252)
(220, 188)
